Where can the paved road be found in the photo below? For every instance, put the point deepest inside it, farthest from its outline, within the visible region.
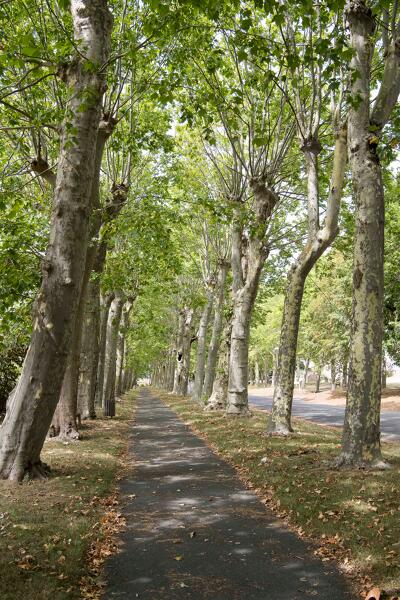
(332, 415)
(195, 533)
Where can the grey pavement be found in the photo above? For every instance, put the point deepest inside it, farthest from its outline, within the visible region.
(195, 532)
(331, 415)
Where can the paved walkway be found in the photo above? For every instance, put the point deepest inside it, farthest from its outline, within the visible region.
(194, 531)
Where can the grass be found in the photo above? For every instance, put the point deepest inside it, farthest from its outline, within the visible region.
(48, 529)
(353, 516)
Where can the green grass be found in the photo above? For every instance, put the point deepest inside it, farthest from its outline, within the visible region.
(48, 527)
(353, 516)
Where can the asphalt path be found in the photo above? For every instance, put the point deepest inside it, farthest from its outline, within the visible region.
(327, 414)
(194, 532)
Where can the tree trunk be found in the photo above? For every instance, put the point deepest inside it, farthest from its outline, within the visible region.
(361, 432)
(27, 422)
(201, 347)
(65, 419)
(218, 398)
(333, 375)
(216, 332)
(181, 380)
(247, 263)
(317, 380)
(110, 363)
(121, 346)
(344, 373)
(89, 352)
(256, 373)
(318, 241)
(106, 302)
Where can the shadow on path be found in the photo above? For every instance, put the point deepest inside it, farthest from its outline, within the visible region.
(194, 532)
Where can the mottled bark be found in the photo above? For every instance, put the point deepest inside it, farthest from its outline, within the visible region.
(110, 363)
(182, 365)
(64, 422)
(361, 432)
(29, 417)
(201, 346)
(318, 241)
(105, 309)
(218, 398)
(247, 262)
(121, 346)
(216, 331)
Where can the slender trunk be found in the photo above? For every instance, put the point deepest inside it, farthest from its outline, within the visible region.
(106, 302)
(218, 398)
(256, 373)
(110, 366)
(201, 347)
(216, 332)
(333, 375)
(383, 371)
(318, 241)
(89, 352)
(27, 422)
(317, 380)
(344, 373)
(121, 346)
(306, 369)
(183, 352)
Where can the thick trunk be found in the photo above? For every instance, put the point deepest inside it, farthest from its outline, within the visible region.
(29, 417)
(201, 348)
(65, 419)
(237, 400)
(318, 241)
(216, 332)
(110, 363)
(218, 398)
(105, 309)
(247, 263)
(182, 366)
(361, 432)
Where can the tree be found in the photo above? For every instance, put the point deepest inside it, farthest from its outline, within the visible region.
(27, 422)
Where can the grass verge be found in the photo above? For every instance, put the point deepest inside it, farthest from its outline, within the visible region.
(53, 534)
(353, 516)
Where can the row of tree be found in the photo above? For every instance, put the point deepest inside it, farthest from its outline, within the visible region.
(161, 160)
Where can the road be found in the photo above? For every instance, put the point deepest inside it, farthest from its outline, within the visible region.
(331, 415)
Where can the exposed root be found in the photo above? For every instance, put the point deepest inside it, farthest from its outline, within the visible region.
(345, 461)
(38, 471)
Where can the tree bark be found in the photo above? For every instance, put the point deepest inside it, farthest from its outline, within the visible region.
(218, 398)
(318, 241)
(110, 365)
(216, 331)
(121, 346)
(247, 264)
(333, 375)
(201, 347)
(105, 310)
(182, 366)
(64, 423)
(27, 422)
(361, 432)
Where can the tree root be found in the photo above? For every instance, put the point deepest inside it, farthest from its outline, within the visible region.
(37, 472)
